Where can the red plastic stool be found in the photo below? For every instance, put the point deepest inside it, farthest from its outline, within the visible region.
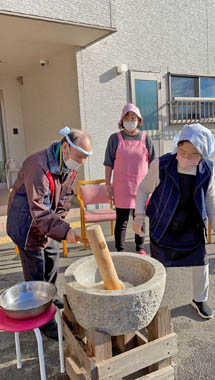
(17, 325)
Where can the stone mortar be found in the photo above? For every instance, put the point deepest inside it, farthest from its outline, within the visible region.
(116, 312)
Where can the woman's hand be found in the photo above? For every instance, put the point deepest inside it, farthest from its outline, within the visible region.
(138, 224)
(109, 192)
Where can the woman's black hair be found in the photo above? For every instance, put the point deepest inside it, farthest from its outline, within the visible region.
(182, 142)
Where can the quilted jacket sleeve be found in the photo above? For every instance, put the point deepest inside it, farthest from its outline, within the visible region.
(37, 189)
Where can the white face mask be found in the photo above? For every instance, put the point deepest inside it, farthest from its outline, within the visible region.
(130, 125)
(72, 164)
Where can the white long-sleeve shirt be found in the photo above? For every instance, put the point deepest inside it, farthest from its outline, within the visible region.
(152, 180)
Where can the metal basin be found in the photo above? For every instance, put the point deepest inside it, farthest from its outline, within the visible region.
(27, 300)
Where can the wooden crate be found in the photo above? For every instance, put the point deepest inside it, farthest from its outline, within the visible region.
(92, 355)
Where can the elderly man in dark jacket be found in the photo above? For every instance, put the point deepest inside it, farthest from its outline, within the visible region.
(38, 204)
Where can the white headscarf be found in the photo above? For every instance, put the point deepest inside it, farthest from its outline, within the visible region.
(200, 136)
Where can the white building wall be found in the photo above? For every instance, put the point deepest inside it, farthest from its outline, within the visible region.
(158, 36)
(96, 12)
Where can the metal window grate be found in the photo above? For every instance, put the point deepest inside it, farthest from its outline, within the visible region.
(189, 110)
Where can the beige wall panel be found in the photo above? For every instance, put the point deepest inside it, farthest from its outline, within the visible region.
(12, 118)
(50, 101)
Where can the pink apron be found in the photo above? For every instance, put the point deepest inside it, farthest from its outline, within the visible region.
(130, 167)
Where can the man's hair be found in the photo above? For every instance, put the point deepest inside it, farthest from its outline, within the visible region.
(75, 136)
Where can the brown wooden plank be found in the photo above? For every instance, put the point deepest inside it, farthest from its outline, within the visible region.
(78, 350)
(99, 345)
(113, 338)
(140, 338)
(166, 373)
(138, 358)
(69, 316)
(74, 372)
(126, 342)
(66, 350)
(159, 327)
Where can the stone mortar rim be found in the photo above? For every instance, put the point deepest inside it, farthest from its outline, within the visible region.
(150, 284)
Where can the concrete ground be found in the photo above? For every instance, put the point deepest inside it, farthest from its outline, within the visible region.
(196, 354)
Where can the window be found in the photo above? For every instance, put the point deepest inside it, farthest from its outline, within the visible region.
(146, 100)
(207, 87)
(183, 87)
(146, 94)
(192, 98)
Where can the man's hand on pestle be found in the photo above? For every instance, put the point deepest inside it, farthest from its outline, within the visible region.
(73, 237)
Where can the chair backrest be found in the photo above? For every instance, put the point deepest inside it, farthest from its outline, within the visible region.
(92, 192)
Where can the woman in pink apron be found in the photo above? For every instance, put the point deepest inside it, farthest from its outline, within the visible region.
(128, 155)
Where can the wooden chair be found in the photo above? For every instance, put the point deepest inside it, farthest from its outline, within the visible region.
(94, 193)
(209, 232)
(65, 251)
(16, 246)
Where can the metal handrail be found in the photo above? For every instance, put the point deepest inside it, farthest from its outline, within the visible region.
(188, 110)
(193, 99)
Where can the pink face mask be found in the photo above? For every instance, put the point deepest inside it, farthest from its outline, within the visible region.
(186, 163)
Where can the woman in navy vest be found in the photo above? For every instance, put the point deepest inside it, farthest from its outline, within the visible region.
(183, 195)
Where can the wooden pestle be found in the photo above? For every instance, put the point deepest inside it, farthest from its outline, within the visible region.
(103, 258)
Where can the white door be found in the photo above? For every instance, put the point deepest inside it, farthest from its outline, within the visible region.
(145, 93)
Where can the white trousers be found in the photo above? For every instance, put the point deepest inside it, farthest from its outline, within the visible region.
(200, 276)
